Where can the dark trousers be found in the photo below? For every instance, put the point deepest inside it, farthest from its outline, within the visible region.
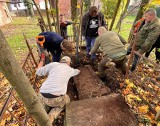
(157, 52)
(56, 55)
(135, 61)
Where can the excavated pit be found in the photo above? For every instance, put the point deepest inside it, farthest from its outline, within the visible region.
(92, 101)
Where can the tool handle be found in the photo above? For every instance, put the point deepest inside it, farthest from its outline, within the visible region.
(40, 42)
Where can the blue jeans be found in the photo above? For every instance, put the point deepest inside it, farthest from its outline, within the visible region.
(89, 45)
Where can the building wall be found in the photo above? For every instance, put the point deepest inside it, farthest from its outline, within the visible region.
(5, 16)
(65, 8)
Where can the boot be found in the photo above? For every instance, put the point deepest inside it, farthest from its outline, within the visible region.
(103, 79)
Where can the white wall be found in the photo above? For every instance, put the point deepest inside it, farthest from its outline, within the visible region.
(22, 7)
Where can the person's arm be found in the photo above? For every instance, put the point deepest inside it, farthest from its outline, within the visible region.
(75, 72)
(42, 60)
(41, 63)
(104, 21)
(150, 40)
(43, 71)
(95, 47)
(69, 22)
(122, 39)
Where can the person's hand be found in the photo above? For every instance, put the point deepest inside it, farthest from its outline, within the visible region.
(42, 57)
(90, 53)
(83, 38)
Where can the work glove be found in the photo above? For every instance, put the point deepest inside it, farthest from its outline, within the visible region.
(43, 57)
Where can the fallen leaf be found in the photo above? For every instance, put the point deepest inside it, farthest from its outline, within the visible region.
(143, 109)
(157, 108)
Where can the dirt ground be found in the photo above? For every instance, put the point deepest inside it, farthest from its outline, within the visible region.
(114, 78)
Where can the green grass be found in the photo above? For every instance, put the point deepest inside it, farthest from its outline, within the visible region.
(125, 26)
(14, 32)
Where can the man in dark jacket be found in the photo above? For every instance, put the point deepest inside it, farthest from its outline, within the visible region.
(90, 23)
(55, 44)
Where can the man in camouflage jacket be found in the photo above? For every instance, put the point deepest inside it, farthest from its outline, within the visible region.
(147, 34)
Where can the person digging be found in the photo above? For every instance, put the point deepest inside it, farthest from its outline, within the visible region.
(112, 46)
(54, 88)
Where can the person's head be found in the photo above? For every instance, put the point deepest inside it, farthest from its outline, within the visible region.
(150, 14)
(101, 30)
(61, 17)
(66, 60)
(93, 11)
(67, 46)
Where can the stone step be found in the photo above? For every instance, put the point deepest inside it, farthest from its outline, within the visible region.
(88, 84)
(110, 110)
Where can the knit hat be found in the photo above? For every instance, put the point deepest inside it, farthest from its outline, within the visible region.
(65, 59)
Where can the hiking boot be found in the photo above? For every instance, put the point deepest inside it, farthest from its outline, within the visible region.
(103, 79)
(133, 68)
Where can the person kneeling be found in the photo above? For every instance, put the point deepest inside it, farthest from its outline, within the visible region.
(54, 88)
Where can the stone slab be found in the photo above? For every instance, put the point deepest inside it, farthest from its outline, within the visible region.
(110, 110)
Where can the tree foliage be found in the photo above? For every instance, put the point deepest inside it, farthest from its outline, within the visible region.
(87, 5)
(109, 7)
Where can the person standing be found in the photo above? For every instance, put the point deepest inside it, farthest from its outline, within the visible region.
(113, 48)
(156, 45)
(55, 44)
(147, 35)
(90, 23)
(54, 88)
(63, 26)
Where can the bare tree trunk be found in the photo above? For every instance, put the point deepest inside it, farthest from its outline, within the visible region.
(140, 12)
(40, 14)
(52, 3)
(139, 15)
(15, 75)
(52, 8)
(73, 10)
(48, 17)
(123, 14)
(115, 14)
(57, 17)
(80, 22)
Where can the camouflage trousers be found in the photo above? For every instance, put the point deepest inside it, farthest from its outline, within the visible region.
(120, 63)
(57, 105)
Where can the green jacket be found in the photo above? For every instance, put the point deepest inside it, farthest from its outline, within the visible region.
(111, 44)
(147, 36)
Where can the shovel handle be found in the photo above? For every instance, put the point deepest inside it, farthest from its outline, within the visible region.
(40, 42)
